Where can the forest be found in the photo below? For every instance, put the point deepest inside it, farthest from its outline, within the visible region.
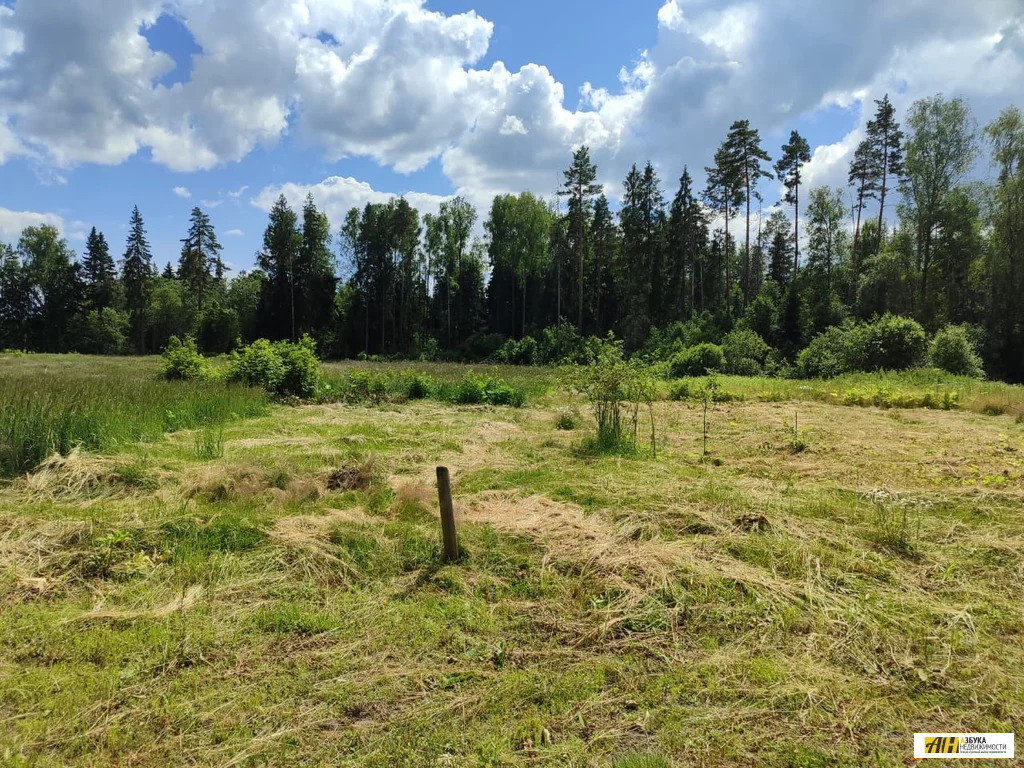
(927, 238)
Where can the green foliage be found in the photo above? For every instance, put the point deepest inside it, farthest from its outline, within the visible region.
(825, 357)
(698, 361)
(890, 343)
(518, 351)
(209, 443)
(182, 361)
(281, 368)
(616, 388)
(745, 353)
(952, 350)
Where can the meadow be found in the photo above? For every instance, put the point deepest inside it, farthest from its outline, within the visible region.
(256, 583)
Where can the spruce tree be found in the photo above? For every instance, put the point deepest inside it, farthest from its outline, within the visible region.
(98, 272)
(580, 186)
(200, 257)
(863, 177)
(137, 277)
(281, 243)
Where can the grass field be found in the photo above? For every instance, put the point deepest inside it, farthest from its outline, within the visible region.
(266, 589)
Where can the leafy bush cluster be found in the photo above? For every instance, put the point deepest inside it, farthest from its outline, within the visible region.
(182, 361)
(282, 368)
(699, 360)
(890, 343)
(553, 345)
(952, 350)
(357, 386)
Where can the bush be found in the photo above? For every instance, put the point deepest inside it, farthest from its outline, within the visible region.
(616, 389)
(182, 361)
(420, 387)
(258, 365)
(474, 389)
(518, 352)
(302, 375)
(953, 351)
(825, 357)
(281, 368)
(890, 343)
(698, 361)
(745, 353)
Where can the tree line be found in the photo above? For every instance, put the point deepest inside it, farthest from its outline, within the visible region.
(395, 283)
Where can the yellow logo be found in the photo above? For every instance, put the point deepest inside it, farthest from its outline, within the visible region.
(941, 745)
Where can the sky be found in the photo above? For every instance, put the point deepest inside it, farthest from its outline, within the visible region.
(170, 104)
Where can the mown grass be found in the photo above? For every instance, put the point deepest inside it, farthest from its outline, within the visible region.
(44, 412)
(776, 608)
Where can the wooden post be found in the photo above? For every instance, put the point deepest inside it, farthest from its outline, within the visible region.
(444, 497)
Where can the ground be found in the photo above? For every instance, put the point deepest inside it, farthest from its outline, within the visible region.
(827, 581)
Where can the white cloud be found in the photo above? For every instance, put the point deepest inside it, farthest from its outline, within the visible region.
(234, 233)
(13, 222)
(397, 82)
(238, 192)
(211, 203)
(182, 192)
(336, 195)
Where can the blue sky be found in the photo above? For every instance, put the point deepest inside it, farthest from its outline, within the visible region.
(174, 103)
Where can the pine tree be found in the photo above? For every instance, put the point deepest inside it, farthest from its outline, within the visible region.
(580, 186)
(137, 277)
(744, 156)
(200, 257)
(886, 140)
(98, 272)
(779, 236)
(794, 154)
(723, 195)
(168, 273)
(863, 177)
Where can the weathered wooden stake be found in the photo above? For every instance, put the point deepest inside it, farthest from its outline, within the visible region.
(444, 497)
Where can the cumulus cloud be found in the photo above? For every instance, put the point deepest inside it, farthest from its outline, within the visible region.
(182, 192)
(336, 195)
(397, 82)
(13, 222)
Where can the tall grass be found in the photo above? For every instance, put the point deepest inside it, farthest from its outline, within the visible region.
(41, 415)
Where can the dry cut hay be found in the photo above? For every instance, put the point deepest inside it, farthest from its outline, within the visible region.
(305, 544)
(179, 603)
(77, 475)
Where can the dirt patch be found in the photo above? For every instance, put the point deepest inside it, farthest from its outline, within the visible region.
(356, 477)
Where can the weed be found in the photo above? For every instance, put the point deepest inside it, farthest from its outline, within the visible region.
(209, 443)
(896, 522)
(567, 419)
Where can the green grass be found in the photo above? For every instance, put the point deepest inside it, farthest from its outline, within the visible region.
(779, 608)
(44, 412)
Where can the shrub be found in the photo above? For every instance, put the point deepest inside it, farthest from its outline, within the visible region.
(258, 365)
(745, 352)
(952, 350)
(281, 368)
(615, 388)
(825, 357)
(182, 361)
(698, 361)
(518, 352)
(890, 343)
(302, 375)
(420, 387)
